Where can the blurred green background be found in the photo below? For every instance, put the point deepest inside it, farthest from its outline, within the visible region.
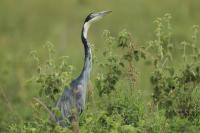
(26, 25)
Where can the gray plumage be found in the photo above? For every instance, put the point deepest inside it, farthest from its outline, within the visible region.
(75, 95)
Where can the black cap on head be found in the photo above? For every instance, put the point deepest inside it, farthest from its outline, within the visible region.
(98, 14)
(89, 17)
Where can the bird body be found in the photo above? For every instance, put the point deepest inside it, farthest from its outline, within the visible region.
(74, 96)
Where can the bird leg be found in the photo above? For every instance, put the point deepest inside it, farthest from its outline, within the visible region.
(74, 114)
(74, 121)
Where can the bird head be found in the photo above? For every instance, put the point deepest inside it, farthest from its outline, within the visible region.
(93, 17)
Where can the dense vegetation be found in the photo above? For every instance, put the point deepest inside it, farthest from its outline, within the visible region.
(148, 82)
(115, 104)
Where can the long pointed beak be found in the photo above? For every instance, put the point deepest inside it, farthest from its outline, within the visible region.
(103, 13)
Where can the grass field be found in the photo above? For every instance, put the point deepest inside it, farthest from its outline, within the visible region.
(28, 25)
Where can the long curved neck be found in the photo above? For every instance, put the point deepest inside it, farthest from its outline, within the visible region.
(85, 74)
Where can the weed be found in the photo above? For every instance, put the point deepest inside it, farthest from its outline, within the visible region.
(117, 106)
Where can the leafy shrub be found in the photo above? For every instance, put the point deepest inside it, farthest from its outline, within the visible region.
(174, 88)
(117, 104)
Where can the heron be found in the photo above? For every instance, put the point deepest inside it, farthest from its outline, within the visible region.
(74, 96)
